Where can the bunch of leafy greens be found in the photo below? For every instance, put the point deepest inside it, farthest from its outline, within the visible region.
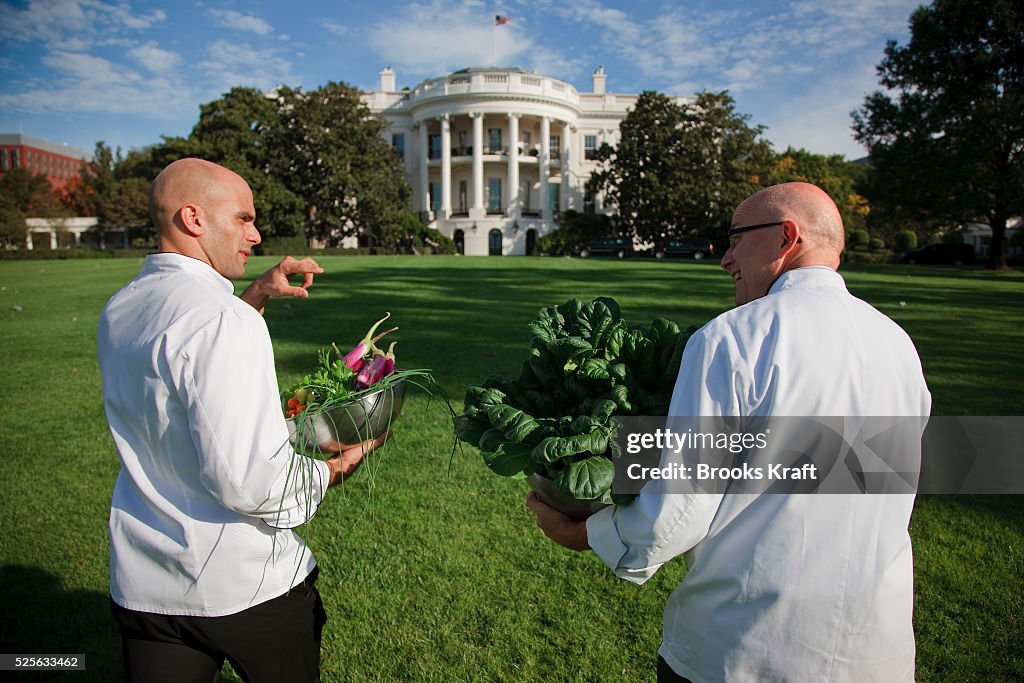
(332, 379)
(586, 366)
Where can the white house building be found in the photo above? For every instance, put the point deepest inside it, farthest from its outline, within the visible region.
(494, 154)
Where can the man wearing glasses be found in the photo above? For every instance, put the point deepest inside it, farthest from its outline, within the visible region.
(790, 586)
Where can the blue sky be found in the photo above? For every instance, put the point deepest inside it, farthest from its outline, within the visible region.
(77, 71)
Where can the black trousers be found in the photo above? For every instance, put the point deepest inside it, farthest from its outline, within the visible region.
(667, 675)
(278, 640)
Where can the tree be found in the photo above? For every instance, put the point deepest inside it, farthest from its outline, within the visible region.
(681, 170)
(24, 194)
(643, 176)
(728, 161)
(841, 179)
(108, 190)
(329, 151)
(950, 146)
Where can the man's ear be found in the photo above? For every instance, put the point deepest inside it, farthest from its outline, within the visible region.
(790, 237)
(191, 220)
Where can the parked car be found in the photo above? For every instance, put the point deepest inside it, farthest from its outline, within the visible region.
(954, 254)
(693, 247)
(607, 246)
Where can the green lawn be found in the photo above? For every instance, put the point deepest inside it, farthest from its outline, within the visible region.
(432, 568)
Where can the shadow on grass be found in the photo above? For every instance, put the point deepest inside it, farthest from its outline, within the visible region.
(41, 617)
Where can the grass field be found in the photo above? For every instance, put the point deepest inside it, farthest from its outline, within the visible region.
(432, 568)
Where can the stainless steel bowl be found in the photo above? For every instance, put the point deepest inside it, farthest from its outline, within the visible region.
(347, 424)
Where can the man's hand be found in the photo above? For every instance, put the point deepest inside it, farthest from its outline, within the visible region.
(276, 282)
(345, 463)
(563, 530)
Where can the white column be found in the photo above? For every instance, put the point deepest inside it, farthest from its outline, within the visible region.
(53, 239)
(477, 208)
(513, 166)
(563, 197)
(545, 168)
(446, 168)
(28, 240)
(424, 169)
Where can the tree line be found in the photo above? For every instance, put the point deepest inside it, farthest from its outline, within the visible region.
(945, 145)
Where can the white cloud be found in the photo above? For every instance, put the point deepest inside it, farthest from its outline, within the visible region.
(87, 83)
(230, 64)
(241, 22)
(334, 27)
(58, 21)
(45, 20)
(436, 38)
(155, 59)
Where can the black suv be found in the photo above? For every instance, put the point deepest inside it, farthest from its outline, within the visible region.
(954, 254)
(694, 247)
(607, 246)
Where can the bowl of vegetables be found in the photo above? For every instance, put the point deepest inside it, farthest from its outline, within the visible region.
(335, 427)
(351, 397)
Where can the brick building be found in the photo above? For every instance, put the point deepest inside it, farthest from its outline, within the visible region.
(58, 163)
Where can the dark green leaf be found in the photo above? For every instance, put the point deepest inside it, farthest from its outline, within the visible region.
(557, 448)
(589, 479)
(470, 430)
(513, 423)
(510, 460)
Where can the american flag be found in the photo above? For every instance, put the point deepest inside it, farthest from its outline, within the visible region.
(500, 19)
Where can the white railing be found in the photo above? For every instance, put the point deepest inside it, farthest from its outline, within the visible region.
(497, 82)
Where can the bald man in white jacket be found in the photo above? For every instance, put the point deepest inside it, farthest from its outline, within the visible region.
(780, 587)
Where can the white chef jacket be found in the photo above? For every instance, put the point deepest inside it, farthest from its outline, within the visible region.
(800, 587)
(209, 488)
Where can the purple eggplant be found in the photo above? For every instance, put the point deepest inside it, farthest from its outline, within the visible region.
(389, 360)
(371, 372)
(354, 358)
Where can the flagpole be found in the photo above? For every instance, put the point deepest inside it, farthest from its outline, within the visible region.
(494, 41)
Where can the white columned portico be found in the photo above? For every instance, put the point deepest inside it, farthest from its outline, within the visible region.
(545, 168)
(424, 169)
(477, 209)
(446, 167)
(513, 166)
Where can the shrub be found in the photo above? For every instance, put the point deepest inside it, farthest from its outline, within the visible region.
(868, 257)
(574, 229)
(877, 244)
(53, 254)
(905, 240)
(284, 246)
(859, 239)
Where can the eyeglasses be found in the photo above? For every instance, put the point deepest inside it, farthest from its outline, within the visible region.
(748, 228)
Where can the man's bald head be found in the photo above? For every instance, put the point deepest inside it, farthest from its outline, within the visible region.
(821, 225)
(186, 181)
(781, 228)
(205, 211)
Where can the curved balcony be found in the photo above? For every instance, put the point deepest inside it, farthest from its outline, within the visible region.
(493, 82)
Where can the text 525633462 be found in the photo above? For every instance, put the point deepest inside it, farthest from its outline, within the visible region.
(18, 662)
